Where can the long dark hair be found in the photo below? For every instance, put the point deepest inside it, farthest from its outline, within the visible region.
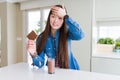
(63, 59)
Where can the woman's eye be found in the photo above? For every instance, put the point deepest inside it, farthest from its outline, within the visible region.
(60, 18)
(52, 16)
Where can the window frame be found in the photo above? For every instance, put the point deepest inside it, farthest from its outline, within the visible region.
(29, 59)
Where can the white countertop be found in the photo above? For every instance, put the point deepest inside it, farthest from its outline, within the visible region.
(112, 55)
(22, 71)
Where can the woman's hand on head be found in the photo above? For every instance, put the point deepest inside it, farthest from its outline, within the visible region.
(61, 12)
(31, 47)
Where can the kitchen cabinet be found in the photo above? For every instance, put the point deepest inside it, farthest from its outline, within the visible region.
(106, 63)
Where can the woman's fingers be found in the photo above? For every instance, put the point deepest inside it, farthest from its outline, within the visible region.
(31, 42)
(31, 47)
(63, 6)
(59, 11)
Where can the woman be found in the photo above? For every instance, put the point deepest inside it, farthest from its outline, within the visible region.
(55, 40)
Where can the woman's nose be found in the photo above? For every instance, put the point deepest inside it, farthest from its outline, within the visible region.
(56, 19)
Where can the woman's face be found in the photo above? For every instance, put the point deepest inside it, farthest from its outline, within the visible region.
(56, 22)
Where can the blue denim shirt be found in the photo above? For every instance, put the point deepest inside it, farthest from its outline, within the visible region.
(75, 33)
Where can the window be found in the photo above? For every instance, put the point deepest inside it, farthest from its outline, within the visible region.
(36, 21)
(104, 29)
(109, 29)
(33, 20)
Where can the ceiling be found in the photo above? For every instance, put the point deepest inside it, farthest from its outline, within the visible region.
(14, 1)
(18, 0)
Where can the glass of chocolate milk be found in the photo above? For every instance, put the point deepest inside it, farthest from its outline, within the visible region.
(51, 65)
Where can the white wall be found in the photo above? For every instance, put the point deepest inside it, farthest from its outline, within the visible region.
(107, 9)
(81, 11)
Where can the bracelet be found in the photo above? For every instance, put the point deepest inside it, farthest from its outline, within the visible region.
(66, 16)
(33, 56)
(36, 56)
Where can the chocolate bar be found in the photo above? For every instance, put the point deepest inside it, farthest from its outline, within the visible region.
(32, 35)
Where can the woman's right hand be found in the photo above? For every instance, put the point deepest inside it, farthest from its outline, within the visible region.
(31, 48)
(61, 12)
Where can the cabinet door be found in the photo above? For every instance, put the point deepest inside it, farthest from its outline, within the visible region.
(0, 42)
(106, 65)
